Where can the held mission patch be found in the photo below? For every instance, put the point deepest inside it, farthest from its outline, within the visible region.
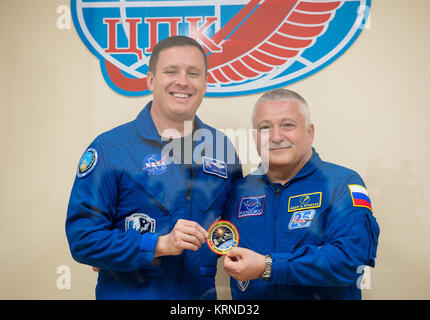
(222, 237)
(87, 163)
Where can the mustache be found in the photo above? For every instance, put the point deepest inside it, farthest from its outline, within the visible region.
(283, 144)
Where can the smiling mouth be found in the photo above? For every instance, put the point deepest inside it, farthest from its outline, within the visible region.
(279, 148)
(180, 95)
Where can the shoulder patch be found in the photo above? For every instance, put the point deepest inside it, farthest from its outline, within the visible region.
(87, 163)
(359, 196)
(140, 222)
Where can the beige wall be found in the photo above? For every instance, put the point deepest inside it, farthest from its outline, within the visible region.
(370, 108)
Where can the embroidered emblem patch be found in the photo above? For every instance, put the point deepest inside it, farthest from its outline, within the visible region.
(360, 196)
(251, 206)
(304, 201)
(140, 222)
(301, 219)
(242, 285)
(153, 164)
(214, 166)
(87, 163)
(222, 237)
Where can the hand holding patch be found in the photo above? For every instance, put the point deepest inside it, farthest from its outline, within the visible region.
(244, 264)
(186, 234)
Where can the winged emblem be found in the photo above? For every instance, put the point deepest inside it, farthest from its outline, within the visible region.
(293, 26)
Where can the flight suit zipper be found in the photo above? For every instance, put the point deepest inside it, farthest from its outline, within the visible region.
(277, 193)
(188, 189)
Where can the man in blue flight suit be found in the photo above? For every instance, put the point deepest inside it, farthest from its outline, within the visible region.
(306, 226)
(142, 199)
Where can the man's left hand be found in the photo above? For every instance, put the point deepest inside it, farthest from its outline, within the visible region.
(244, 264)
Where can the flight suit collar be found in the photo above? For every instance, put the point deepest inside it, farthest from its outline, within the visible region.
(313, 164)
(147, 130)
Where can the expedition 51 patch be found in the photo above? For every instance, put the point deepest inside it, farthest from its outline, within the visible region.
(222, 237)
(87, 162)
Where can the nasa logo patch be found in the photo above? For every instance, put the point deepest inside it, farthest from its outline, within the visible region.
(153, 164)
(252, 45)
(87, 163)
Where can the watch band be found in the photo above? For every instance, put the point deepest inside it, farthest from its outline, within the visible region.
(267, 268)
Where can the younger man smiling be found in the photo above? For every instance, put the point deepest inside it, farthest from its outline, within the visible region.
(138, 219)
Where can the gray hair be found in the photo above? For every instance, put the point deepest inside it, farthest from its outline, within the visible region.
(284, 95)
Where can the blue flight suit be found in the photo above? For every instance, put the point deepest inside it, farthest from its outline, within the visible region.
(126, 194)
(318, 228)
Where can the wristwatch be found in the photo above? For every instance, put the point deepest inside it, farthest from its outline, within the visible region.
(265, 275)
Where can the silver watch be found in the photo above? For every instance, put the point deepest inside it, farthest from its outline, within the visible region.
(267, 268)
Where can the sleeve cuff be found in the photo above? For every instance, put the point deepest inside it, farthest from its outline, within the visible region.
(148, 243)
(280, 264)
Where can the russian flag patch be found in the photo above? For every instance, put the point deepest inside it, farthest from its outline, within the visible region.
(360, 196)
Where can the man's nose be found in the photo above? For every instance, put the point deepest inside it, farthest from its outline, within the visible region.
(276, 136)
(182, 79)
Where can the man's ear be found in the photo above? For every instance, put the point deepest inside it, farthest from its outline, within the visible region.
(150, 80)
(311, 132)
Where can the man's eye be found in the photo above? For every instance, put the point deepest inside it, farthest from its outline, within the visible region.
(264, 128)
(288, 125)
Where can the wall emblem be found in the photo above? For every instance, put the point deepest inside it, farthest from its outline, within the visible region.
(252, 45)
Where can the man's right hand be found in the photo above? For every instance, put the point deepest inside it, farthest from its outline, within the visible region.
(186, 234)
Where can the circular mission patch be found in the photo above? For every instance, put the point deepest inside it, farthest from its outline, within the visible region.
(87, 162)
(223, 236)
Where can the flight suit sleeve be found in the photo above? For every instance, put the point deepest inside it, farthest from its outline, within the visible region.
(90, 220)
(351, 239)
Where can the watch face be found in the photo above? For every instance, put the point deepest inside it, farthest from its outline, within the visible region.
(222, 237)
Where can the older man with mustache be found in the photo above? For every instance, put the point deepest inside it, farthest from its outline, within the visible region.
(306, 226)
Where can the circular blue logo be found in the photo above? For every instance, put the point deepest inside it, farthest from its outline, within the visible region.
(87, 163)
